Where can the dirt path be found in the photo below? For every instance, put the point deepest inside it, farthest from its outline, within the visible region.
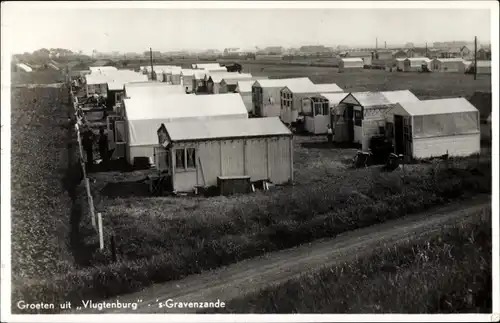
(250, 275)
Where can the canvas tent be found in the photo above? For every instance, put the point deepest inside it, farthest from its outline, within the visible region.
(294, 96)
(143, 115)
(266, 94)
(433, 128)
(198, 153)
(350, 64)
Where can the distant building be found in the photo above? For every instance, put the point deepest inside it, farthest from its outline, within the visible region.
(314, 49)
(365, 56)
(155, 54)
(409, 45)
(450, 44)
(274, 50)
(383, 54)
(483, 54)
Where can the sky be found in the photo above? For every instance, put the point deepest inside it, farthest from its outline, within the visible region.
(135, 30)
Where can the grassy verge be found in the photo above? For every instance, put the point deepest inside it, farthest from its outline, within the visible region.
(157, 247)
(450, 273)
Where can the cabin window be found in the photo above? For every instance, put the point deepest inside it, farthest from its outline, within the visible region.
(191, 157)
(317, 109)
(358, 117)
(180, 159)
(326, 108)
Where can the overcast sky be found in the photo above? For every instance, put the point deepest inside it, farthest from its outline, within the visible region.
(173, 29)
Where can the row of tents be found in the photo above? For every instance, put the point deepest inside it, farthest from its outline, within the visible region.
(214, 131)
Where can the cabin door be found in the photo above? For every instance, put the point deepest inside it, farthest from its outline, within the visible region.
(116, 136)
(349, 119)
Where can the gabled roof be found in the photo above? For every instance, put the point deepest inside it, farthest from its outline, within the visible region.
(184, 106)
(188, 72)
(146, 90)
(313, 88)
(281, 83)
(449, 60)
(368, 99)
(144, 115)
(418, 59)
(224, 129)
(218, 77)
(352, 59)
(400, 96)
(245, 86)
(115, 77)
(439, 106)
(334, 98)
(235, 81)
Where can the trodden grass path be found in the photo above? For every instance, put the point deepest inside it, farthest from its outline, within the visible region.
(248, 276)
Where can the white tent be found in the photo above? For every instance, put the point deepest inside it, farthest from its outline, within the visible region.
(438, 127)
(143, 115)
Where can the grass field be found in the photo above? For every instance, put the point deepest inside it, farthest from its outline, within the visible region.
(40, 206)
(165, 238)
(448, 274)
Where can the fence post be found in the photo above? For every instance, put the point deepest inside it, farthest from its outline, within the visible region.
(101, 235)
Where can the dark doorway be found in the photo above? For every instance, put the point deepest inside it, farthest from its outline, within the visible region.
(398, 134)
(349, 119)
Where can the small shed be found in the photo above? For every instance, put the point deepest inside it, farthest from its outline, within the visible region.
(433, 128)
(295, 96)
(214, 81)
(365, 56)
(187, 77)
(229, 84)
(448, 65)
(266, 94)
(363, 115)
(200, 153)
(400, 63)
(350, 64)
(320, 111)
(142, 115)
(414, 64)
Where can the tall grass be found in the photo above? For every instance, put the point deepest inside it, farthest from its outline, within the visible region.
(450, 273)
(156, 249)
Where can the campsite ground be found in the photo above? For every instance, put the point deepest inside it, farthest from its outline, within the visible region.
(166, 238)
